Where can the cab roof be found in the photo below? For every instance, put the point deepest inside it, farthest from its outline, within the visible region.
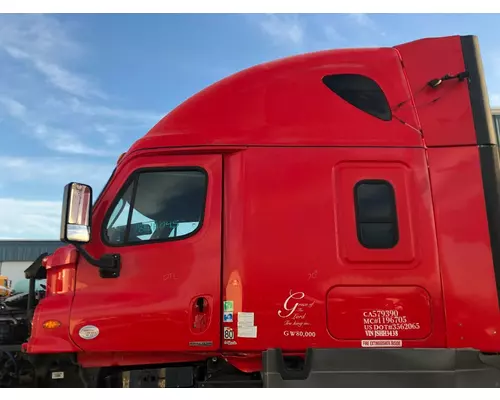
(290, 102)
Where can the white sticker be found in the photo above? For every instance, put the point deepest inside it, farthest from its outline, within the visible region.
(381, 343)
(229, 305)
(228, 317)
(247, 331)
(89, 332)
(58, 375)
(387, 323)
(245, 319)
(228, 333)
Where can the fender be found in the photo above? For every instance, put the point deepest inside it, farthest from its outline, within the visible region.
(50, 326)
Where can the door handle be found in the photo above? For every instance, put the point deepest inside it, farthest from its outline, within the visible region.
(200, 314)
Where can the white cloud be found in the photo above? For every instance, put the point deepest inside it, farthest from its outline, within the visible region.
(22, 218)
(67, 81)
(14, 108)
(110, 136)
(37, 219)
(495, 100)
(80, 107)
(29, 219)
(283, 29)
(53, 138)
(362, 20)
(494, 63)
(312, 32)
(52, 170)
(65, 142)
(366, 22)
(332, 34)
(42, 41)
(40, 35)
(67, 112)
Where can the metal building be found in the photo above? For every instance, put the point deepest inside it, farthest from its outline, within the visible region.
(496, 120)
(17, 255)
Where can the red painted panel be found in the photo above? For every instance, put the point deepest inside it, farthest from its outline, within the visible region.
(472, 314)
(352, 252)
(57, 340)
(61, 267)
(282, 254)
(379, 312)
(55, 306)
(285, 102)
(444, 112)
(149, 307)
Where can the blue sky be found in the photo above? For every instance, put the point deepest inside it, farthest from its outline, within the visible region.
(77, 90)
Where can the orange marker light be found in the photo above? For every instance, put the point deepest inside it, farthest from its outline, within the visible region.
(120, 158)
(51, 324)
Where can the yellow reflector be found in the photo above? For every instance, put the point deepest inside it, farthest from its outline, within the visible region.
(51, 324)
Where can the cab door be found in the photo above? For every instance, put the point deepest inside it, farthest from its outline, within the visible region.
(162, 215)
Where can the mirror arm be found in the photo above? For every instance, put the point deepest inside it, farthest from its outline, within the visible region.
(108, 264)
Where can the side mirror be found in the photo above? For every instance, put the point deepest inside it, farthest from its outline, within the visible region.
(76, 213)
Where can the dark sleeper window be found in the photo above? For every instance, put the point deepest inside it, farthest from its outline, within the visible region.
(361, 92)
(376, 215)
(158, 206)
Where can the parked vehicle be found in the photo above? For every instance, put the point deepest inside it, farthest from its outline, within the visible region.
(5, 286)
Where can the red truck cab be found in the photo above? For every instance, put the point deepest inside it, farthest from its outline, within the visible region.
(337, 211)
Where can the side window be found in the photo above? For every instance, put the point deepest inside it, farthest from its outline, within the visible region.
(117, 222)
(376, 214)
(157, 206)
(361, 92)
